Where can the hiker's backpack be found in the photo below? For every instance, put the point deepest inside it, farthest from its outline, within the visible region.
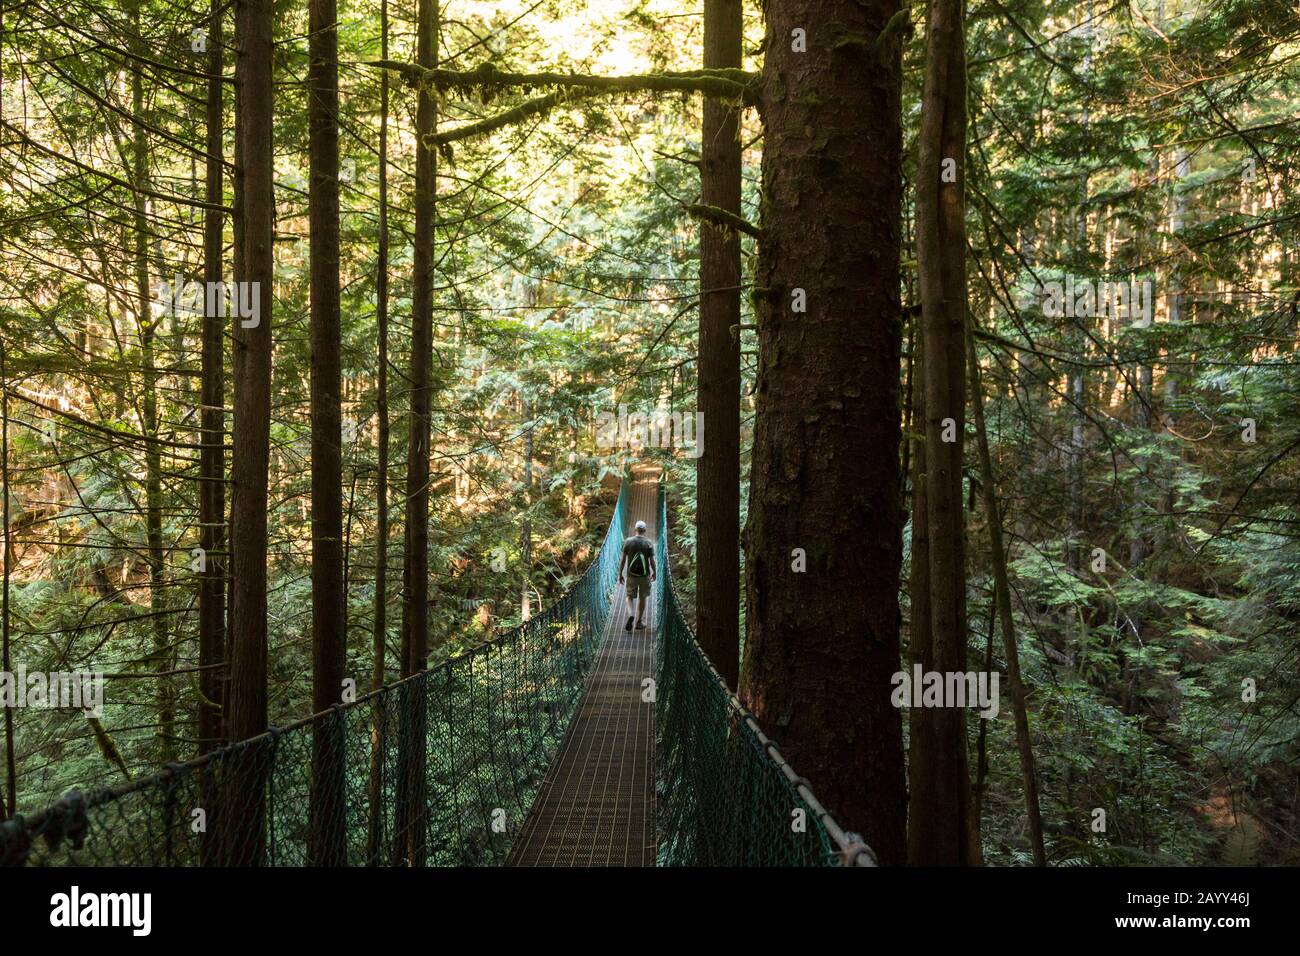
(639, 565)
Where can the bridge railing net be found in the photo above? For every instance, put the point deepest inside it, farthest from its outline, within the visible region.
(438, 769)
(725, 796)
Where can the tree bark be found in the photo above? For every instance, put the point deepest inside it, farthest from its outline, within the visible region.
(412, 804)
(1176, 369)
(11, 770)
(212, 397)
(329, 635)
(147, 327)
(247, 714)
(1138, 543)
(526, 531)
(921, 771)
(380, 637)
(717, 521)
(823, 644)
(212, 423)
(415, 572)
(942, 828)
(1002, 600)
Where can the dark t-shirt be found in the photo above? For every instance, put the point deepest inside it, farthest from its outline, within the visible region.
(639, 544)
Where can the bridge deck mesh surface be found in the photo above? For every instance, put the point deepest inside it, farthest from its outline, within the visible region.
(596, 806)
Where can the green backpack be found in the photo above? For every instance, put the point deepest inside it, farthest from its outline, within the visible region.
(639, 565)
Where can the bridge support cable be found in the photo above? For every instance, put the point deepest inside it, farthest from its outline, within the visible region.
(726, 795)
(566, 740)
(488, 722)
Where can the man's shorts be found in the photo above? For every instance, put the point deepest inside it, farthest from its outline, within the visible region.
(638, 585)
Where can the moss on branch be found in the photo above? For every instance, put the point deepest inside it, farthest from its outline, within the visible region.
(533, 107)
(721, 217)
(728, 84)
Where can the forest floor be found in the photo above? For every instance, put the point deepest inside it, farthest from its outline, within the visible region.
(1241, 833)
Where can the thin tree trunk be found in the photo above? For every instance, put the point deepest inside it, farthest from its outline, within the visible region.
(379, 640)
(1002, 599)
(1078, 376)
(9, 807)
(247, 707)
(212, 492)
(717, 521)
(942, 828)
(161, 654)
(329, 634)
(415, 572)
(822, 645)
(212, 422)
(921, 772)
(1074, 470)
(1176, 370)
(239, 242)
(412, 803)
(526, 532)
(1138, 545)
(1031, 374)
(982, 739)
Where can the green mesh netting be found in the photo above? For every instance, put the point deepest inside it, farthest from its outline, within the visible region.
(725, 795)
(439, 768)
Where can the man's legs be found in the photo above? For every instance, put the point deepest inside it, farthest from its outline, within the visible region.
(638, 589)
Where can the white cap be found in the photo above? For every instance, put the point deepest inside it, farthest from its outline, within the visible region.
(640, 526)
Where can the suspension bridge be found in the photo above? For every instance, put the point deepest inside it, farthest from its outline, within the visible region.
(567, 741)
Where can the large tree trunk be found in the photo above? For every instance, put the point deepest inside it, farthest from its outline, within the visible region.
(942, 827)
(717, 522)
(823, 644)
(411, 808)
(329, 635)
(252, 425)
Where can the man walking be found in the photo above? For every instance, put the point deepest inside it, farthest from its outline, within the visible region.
(639, 560)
